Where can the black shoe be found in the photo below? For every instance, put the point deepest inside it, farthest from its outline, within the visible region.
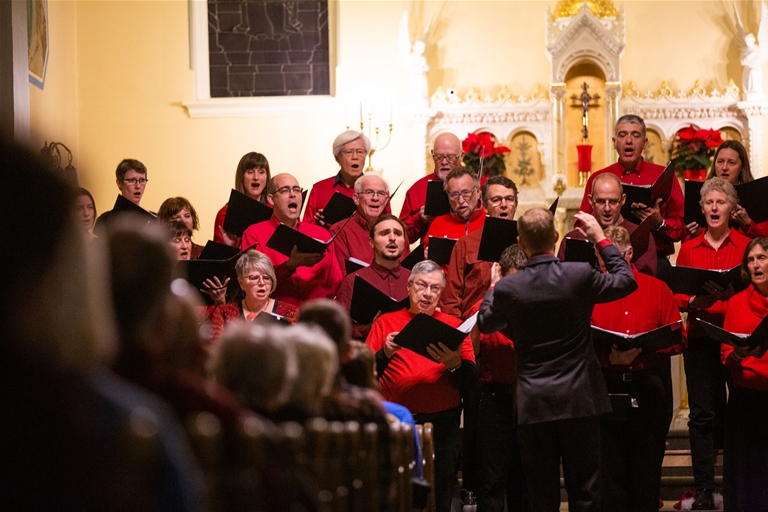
(704, 500)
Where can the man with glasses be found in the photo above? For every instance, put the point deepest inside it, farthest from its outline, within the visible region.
(467, 214)
(629, 141)
(429, 388)
(354, 241)
(302, 276)
(446, 154)
(132, 181)
(606, 198)
(468, 277)
(349, 149)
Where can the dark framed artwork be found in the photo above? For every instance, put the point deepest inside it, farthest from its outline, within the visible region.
(37, 38)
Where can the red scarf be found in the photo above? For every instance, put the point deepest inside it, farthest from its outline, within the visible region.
(758, 303)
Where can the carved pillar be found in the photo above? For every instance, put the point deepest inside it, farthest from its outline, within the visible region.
(557, 93)
(753, 138)
(612, 114)
(419, 121)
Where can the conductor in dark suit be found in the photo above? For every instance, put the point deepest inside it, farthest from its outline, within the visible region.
(546, 307)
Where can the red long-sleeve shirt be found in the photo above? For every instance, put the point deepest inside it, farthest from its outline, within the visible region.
(745, 311)
(420, 384)
(497, 355)
(414, 200)
(468, 278)
(698, 253)
(645, 309)
(672, 210)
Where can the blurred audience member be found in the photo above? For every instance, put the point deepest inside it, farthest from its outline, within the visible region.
(85, 207)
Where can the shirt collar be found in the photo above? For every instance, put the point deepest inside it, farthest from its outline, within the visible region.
(338, 181)
(384, 272)
(637, 170)
(702, 241)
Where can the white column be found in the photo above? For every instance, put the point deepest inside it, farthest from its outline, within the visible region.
(612, 96)
(753, 139)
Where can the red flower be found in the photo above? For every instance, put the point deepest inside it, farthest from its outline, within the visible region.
(687, 133)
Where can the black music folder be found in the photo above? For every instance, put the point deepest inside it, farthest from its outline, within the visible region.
(440, 249)
(124, 205)
(367, 301)
(424, 330)
(690, 280)
(553, 206)
(197, 271)
(339, 207)
(269, 318)
(640, 237)
(243, 212)
(284, 239)
(758, 338)
(580, 251)
(753, 196)
(353, 265)
(693, 211)
(498, 234)
(216, 251)
(413, 257)
(651, 341)
(437, 200)
(648, 194)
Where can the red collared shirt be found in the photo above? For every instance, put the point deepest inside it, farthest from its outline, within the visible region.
(414, 200)
(468, 278)
(698, 253)
(496, 360)
(319, 281)
(645, 309)
(450, 226)
(422, 385)
(393, 282)
(354, 241)
(321, 193)
(672, 210)
(745, 311)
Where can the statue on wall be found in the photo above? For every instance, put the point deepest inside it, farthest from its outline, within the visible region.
(412, 57)
(753, 55)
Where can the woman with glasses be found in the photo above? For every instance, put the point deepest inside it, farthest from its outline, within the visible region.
(131, 179)
(257, 280)
(251, 178)
(349, 149)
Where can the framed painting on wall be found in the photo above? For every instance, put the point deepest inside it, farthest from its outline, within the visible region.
(37, 38)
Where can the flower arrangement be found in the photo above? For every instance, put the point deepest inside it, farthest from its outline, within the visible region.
(477, 144)
(693, 149)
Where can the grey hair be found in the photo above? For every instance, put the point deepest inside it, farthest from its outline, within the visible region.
(247, 346)
(425, 267)
(254, 259)
(721, 185)
(318, 363)
(629, 119)
(359, 181)
(347, 137)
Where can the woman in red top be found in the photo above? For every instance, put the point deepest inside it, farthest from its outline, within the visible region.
(251, 179)
(257, 280)
(718, 247)
(745, 466)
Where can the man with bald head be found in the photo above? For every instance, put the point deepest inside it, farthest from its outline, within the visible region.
(607, 197)
(302, 276)
(354, 241)
(560, 394)
(447, 154)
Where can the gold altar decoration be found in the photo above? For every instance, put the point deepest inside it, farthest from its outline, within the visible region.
(600, 8)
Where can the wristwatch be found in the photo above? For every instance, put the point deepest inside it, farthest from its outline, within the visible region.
(661, 226)
(454, 369)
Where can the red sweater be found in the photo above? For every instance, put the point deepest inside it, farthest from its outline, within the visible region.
(672, 210)
(745, 311)
(497, 355)
(468, 278)
(411, 380)
(450, 226)
(645, 309)
(698, 253)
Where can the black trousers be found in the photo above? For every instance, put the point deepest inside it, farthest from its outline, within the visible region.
(577, 441)
(633, 442)
(705, 378)
(500, 470)
(745, 458)
(446, 435)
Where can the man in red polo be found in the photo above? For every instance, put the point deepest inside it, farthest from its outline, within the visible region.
(469, 278)
(629, 140)
(387, 239)
(302, 276)
(354, 240)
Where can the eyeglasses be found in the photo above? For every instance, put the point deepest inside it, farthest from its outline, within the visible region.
(603, 202)
(350, 152)
(496, 201)
(257, 279)
(465, 194)
(287, 189)
(422, 287)
(380, 193)
(134, 181)
(449, 158)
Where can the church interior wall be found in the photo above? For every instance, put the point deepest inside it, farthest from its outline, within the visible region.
(119, 72)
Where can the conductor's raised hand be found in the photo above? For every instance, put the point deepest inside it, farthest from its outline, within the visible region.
(589, 227)
(495, 273)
